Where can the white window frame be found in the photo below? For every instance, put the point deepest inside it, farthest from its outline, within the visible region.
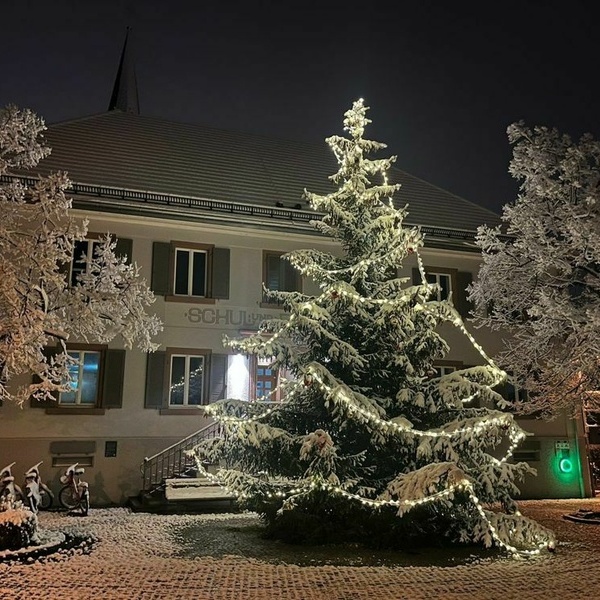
(190, 280)
(438, 276)
(78, 403)
(89, 253)
(444, 370)
(186, 381)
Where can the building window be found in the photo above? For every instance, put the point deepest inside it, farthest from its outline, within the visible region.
(451, 283)
(515, 395)
(187, 379)
(190, 272)
(266, 379)
(279, 275)
(83, 250)
(95, 380)
(444, 283)
(529, 451)
(85, 379)
(441, 370)
(510, 391)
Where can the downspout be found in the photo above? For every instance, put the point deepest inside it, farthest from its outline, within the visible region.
(581, 458)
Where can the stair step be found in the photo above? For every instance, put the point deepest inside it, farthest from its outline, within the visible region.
(200, 488)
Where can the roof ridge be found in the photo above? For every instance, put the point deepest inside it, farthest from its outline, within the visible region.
(187, 124)
(85, 118)
(445, 191)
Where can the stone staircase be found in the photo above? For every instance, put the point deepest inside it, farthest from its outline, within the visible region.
(194, 488)
(171, 483)
(184, 495)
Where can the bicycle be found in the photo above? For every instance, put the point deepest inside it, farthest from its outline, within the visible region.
(37, 493)
(11, 494)
(74, 493)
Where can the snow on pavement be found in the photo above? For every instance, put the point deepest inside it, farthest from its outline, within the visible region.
(139, 556)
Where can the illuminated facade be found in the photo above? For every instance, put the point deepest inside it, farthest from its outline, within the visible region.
(207, 214)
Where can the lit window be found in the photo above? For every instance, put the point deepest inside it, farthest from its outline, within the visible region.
(190, 272)
(444, 283)
(85, 377)
(238, 377)
(265, 379)
(186, 382)
(81, 249)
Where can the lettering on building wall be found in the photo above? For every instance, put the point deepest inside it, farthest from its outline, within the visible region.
(225, 317)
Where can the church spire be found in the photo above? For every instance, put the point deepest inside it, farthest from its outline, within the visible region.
(125, 95)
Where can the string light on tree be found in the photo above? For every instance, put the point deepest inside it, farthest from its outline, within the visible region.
(365, 433)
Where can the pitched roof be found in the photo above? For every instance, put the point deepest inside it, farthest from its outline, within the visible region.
(134, 152)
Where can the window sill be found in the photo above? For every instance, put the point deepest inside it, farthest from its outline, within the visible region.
(190, 299)
(183, 411)
(60, 410)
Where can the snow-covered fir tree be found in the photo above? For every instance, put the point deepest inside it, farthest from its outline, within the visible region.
(540, 281)
(38, 305)
(368, 443)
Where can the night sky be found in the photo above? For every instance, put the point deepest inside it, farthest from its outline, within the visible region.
(443, 79)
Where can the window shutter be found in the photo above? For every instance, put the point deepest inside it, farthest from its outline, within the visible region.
(218, 381)
(460, 297)
(271, 272)
(124, 248)
(155, 374)
(161, 256)
(416, 276)
(220, 273)
(291, 277)
(112, 379)
(65, 270)
(49, 352)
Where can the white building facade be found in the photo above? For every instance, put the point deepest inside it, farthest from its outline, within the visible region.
(206, 214)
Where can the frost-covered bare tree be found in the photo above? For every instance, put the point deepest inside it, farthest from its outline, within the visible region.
(541, 281)
(38, 305)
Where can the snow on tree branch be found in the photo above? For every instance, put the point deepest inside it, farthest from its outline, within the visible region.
(38, 305)
(366, 432)
(539, 281)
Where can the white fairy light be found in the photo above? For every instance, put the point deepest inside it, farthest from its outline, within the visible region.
(308, 311)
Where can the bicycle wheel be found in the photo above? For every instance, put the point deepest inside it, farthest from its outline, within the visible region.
(32, 504)
(68, 497)
(47, 497)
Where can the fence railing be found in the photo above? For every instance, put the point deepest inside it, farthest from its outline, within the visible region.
(173, 461)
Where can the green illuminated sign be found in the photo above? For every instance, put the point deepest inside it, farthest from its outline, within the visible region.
(565, 465)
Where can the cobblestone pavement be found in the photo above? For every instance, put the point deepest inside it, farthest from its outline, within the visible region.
(138, 557)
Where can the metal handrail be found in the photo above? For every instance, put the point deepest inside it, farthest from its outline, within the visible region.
(173, 461)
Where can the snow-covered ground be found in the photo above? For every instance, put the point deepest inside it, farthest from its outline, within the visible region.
(143, 556)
